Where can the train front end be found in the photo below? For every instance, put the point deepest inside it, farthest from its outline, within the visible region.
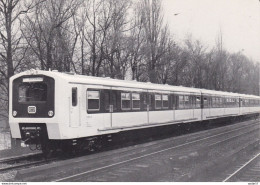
(31, 106)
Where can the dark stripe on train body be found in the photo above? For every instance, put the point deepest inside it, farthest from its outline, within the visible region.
(109, 97)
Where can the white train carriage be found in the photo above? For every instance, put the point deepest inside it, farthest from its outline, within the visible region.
(217, 104)
(49, 106)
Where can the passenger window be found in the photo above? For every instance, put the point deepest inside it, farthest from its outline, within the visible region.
(93, 100)
(213, 102)
(125, 101)
(205, 102)
(74, 96)
(187, 101)
(198, 102)
(158, 101)
(173, 105)
(221, 100)
(106, 100)
(114, 100)
(136, 100)
(149, 101)
(181, 102)
(165, 99)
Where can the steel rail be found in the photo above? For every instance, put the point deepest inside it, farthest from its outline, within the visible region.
(17, 158)
(150, 154)
(19, 166)
(235, 172)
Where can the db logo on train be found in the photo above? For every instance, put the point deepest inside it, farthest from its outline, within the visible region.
(31, 109)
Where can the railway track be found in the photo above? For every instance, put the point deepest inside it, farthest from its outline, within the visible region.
(86, 168)
(23, 161)
(211, 142)
(14, 159)
(248, 172)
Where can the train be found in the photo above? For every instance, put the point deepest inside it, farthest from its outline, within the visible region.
(51, 109)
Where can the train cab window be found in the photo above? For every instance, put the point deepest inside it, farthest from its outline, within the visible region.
(74, 95)
(198, 102)
(158, 101)
(93, 100)
(32, 92)
(165, 99)
(125, 101)
(136, 100)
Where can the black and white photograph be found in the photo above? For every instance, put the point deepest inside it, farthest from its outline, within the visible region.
(129, 91)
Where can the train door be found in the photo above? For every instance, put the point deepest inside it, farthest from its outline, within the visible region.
(74, 107)
(110, 100)
(205, 108)
(113, 104)
(240, 105)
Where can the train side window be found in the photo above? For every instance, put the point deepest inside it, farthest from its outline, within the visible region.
(106, 100)
(125, 101)
(205, 102)
(193, 102)
(93, 100)
(136, 100)
(240, 102)
(158, 101)
(114, 100)
(149, 101)
(198, 102)
(187, 102)
(74, 96)
(181, 101)
(214, 102)
(219, 102)
(173, 101)
(165, 99)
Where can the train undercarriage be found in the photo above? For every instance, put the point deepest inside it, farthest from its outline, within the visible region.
(35, 135)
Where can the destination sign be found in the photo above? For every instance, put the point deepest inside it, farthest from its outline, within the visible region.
(35, 79)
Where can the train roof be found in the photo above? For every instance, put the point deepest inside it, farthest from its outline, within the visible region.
(83, 79)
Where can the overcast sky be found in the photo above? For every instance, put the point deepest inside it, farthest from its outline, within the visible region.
(239, 21)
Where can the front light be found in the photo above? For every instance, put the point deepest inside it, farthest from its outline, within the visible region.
(50, 113)
(14, 113)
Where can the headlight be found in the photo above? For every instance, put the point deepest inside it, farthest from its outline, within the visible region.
(14, 113)
(50, 113)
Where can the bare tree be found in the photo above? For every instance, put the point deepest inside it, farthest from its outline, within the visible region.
(12, 49)
(48, 33)
(156, 35)
(97, 19)
(135, 43)
(196, 63)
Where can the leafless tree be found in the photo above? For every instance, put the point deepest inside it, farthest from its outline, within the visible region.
(97, 19)
(197, 52)
(156, 35)
(12, 47)
(49, 33)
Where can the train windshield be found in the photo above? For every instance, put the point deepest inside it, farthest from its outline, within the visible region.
(32, 92)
